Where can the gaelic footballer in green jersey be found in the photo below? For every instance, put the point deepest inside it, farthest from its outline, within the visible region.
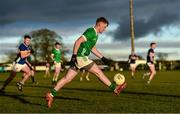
(83, 46)
(56, 57)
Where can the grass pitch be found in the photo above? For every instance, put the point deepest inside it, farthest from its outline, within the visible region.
(162, 95)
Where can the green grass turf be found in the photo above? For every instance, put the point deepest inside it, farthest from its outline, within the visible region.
(162, 95)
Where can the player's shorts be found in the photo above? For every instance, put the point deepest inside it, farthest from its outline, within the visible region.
(18, 67)
(57, 65)
(84, 62)
(150, 63)
(133, 65)
(47, 68)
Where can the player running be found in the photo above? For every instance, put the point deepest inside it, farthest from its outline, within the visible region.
(56, 57)
(132, 61)
(150, 62)
(20, 64)
(29, 59)
(82, 48)
(47, 73)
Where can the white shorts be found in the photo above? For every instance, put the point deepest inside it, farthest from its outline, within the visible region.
(18, 67)
(83, 61)
(47, 68)
(133, 65)
(57, 65)
(149, 64)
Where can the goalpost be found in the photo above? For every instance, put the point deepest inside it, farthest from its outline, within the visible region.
(132, 26)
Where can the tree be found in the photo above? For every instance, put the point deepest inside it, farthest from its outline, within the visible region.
(162, 56)
(42, 43)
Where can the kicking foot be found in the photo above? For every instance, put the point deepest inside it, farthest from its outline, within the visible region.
(49, 99)
(119, 88)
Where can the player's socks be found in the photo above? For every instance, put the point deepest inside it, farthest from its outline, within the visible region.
(112, 86)
(149, 81)
(19, 85)
(53, 92)
(81, 78)
(32, 78)
(146, 74)
(87, 78)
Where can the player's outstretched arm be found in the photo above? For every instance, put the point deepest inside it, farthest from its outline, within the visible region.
(99, 55)
(96, 52)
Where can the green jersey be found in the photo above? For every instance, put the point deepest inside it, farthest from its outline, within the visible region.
(91, 38)
(57, 55)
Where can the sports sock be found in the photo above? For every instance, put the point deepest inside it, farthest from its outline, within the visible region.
(53, 92)
(112, 86)
(32, 78)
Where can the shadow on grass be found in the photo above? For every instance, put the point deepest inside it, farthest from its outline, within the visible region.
(125, 92)
(20, 98)
(153, 94)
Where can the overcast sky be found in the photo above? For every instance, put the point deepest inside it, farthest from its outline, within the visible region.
(155, 20)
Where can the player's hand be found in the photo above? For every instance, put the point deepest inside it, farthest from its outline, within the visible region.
(73, 60)
(107, 61)
(32, 51)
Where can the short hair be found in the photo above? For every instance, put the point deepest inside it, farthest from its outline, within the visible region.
(57, 43)
(152, 43)
(27, 36)
(102, 19)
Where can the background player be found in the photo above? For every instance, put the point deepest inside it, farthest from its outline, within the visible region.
(82, 48)
(150, 62)
(20, 64)
(47, 73)
(132, 61)
(56, 57)
(83, 73)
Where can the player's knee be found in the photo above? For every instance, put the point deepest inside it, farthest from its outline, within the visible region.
(98, 73)
(153, 72)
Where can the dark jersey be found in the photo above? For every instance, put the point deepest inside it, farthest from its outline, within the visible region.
(132, 58)
(149, 60)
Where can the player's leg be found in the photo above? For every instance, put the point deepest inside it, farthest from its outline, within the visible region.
(8, 80)
(93, 68)
(132, 70)
(58, 71)
(46, 73)
(53, 79)
(82, 74)
(87, 76)
(33, 78)
(71, 73)
(147, 73)
(153, 73)
(27, 72)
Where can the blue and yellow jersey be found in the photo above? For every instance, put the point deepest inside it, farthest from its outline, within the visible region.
(19, 59)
